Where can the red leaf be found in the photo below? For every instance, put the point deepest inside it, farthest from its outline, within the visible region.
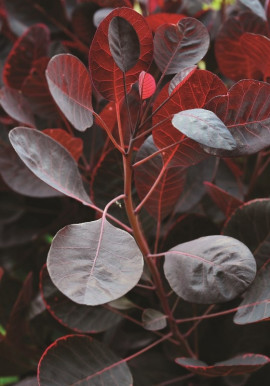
(245, 110)
(232, 60)
(157, 19)
(72, 144)
(241, 364)
(70, 85)
(166, 193)
(147, 85)
(225, 201)
(32, 45)
(107, 77)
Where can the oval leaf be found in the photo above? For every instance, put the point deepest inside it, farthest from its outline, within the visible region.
(250, 224)
(179, 46)
(153, 320)
(78, 317)
(204, 127)
(210, 269)
(256, 305)
(65, 363)
(49, 161)
(147, 85)
(124, 43)
(70, 85)
(241, 364)
(94, 263)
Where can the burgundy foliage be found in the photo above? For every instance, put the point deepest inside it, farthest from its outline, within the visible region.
(134, 192)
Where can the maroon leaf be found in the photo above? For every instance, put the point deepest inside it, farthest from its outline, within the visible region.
(179, 46)
(255, 47)
(241, 364)
(83, 21)
(78, 317)
(18, 65)
(70, 85)
(225, 201)
(245, 110)
(20, 179)
(73, 145)
(17, 106)
(250, 224)
(80, 262)
(124, 43)
(210, 269)
(153, 320)
(205, 128)
(256, 304)
(232, 60)
(167, 190)
(155, 20)
(35, 88)
(147, 85)
(181, 77)
(49, 161)
(64, 363)
(107, 77)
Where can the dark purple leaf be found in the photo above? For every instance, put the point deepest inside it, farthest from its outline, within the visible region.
(16, 106)
(100, 15)
(124, 43)
(245, 110)
(20, 178)
(250, 224)
(241, 364)
(179, 46)
(29, 381)
(94, 263)
(49, 161)
(78, 317)
(205, 128)
(70, 85)
(225, 201)
(32, 45)
(210, 269)
(255, 6)
(153, 320)
(256, 304)
(64, 363)
(181, 77)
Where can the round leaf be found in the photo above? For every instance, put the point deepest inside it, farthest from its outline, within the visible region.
(153, 320)
(210, 269)
(78, 359)
(94, 263)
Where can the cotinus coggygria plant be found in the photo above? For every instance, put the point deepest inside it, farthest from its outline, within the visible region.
(159, 273)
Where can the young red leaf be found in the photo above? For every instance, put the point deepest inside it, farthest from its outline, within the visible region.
(232, 60)
(94, 263)
(64, 362)
(147, 85)
(245, 110)
(241, 364)
(250, 224)
(256, 304)
(124, 43)
(49, 161)
(167, 191)
(70, 85)
(78, 317)
(210, 269)
(106, 76)
(73, 145)
(153, 320)
(179, 46)
(205, 128)
(34, 42)
(225, 201)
